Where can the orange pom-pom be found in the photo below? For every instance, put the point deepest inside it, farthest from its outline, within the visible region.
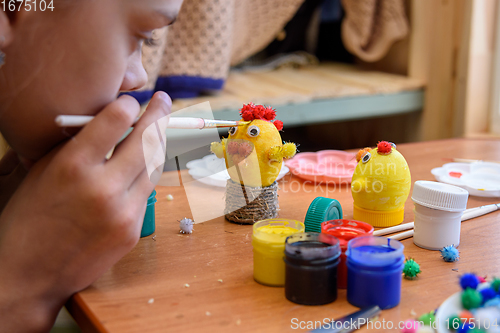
(466, 316)
(361, 153)
(384, 148)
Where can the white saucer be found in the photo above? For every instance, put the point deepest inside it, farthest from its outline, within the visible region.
(480, 179)
(212, 171)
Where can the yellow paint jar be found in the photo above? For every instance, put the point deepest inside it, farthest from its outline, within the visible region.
(268, 242)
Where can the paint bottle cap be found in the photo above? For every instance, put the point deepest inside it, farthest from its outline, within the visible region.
(345, 230)
(440, 196)
(374, 251)
(148, 224)
(312, 246)
(320, 210)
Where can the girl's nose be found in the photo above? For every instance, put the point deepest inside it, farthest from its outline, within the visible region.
(135, 76)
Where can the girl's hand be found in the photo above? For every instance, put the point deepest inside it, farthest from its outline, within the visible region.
(75, 214)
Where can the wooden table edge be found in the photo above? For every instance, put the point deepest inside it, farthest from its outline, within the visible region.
(81, 313)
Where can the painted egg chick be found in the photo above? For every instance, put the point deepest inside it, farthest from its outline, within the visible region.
(380, 185)
(254, 151)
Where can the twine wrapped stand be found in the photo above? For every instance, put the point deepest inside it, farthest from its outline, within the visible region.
(247, 205)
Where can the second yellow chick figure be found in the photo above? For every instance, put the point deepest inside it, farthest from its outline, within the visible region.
(380, 185)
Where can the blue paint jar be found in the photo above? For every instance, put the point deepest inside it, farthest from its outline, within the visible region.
(148, 224)
(311, 261)
(374, 271)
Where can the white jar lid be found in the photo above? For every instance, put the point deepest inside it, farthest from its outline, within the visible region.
(439, 196)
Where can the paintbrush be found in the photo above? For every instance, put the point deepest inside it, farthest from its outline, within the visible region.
(174, 122)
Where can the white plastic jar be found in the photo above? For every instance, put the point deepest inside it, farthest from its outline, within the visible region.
(438, 212)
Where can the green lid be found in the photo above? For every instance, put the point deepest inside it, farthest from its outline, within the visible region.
(321, 209)
(148, 224)
(152, 198)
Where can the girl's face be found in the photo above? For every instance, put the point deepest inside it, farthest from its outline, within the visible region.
(74, 60)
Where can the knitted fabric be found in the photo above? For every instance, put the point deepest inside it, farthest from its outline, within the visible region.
(370, 27)
(207, 38)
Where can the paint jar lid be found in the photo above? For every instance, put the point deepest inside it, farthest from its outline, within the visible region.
(440, 196)
(320, 210)
(312, 246)
(152, 198)
(345, 230)
(275, 231)
(375, 251)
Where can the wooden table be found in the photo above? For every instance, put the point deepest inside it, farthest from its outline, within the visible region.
(203, 281)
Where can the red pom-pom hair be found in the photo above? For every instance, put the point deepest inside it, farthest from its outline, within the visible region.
(251, 112)
(384, 148)
(269, 113)
(278, 124)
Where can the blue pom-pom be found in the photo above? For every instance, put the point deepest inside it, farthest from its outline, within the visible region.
(492, 302)
(450, 253)
(488, 293)
(469, 280)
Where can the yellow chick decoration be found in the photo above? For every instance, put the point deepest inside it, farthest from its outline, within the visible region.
(380, 185)
(254, 151)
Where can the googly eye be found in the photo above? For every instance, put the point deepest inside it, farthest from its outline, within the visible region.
(232, 130)
(253, 131)
(366, 157)
(393, 145)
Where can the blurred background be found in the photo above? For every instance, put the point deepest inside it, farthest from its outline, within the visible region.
(341, 74)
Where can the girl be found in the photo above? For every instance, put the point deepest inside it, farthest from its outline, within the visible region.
(68, 213)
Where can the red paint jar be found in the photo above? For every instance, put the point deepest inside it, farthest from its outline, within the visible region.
(345, 230)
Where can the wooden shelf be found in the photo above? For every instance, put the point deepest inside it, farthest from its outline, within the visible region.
(325, 93)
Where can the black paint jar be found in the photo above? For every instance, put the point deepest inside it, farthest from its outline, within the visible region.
(311, 261)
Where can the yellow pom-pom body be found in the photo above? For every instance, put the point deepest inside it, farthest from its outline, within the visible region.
(257, 169)
(382, 182)
(218, 148)
(289, 150)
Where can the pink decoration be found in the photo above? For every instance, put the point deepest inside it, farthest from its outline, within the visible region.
(410, 326)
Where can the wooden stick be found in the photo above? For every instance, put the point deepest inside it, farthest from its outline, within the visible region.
(174, 122)
(392, 230)
(403, 235)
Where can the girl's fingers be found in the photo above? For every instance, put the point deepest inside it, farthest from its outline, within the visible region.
(98, 137)
(142, 187)
(145, 147)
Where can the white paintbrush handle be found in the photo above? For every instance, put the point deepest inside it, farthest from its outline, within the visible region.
(174, 122)
(479, 211)
(394, 229)
(73, 121)
(403, 235)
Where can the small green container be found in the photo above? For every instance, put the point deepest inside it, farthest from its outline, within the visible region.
(148, 226)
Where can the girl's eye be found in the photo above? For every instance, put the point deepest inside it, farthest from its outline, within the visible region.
(151, 42)
(366, 157)
(253, 131)
(232, 130)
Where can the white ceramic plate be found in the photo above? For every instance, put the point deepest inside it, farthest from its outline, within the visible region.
(453, 306)
(480, 179)
(212, 171)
